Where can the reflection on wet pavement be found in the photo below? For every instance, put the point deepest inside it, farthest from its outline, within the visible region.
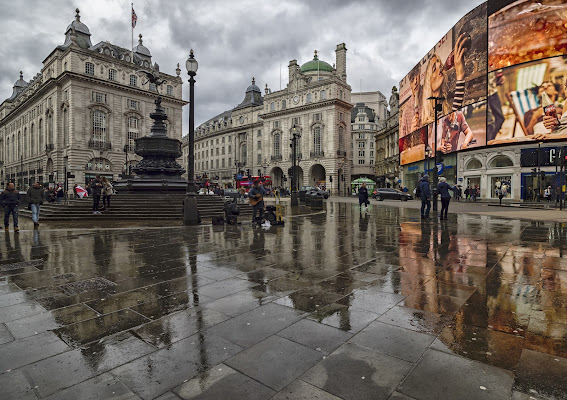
(318, 307)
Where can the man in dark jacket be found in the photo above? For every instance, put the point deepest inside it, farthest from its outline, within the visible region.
(363, 196)
(10, 200)
(443, 189)
(425, 194)
(96, 187)
(35, 199)
(257, 193)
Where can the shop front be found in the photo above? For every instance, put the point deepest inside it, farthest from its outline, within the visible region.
(447, 168)
(540, 171)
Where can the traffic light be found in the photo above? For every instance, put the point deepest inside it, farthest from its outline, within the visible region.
(234, 176)
(290, 171)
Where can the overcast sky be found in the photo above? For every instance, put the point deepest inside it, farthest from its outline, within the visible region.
(234, 40)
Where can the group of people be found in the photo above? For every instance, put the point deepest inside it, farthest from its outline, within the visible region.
(443, 188)
(10, 200)
(101, 187)
(472, 193)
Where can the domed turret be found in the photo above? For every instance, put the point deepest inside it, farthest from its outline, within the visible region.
(253, 97)
(19, 86)
(140, 49)
(78, 33)
(316, 65)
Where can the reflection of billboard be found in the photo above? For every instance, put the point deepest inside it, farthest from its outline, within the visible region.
(461, 130)
(412, 146)
(514, 103)
(525, 30)
(454, 69)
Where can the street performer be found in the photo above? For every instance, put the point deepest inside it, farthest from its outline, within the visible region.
(256, 198)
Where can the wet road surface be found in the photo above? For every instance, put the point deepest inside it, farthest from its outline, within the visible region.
(342, 304)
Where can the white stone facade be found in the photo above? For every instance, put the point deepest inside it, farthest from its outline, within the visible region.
(388, 168)
(80, 112)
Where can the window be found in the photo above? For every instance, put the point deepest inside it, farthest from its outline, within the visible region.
(371, 154)
(32, 140)
(272, 106)
(89, 68)
(371, 161)
(217, 163)
(308, 98)
(99, 126)
(223, 151)
(259, 145)
(259, 160)
(361, 127)
(361, 161)
(229, 149)
(474, 164)
(65, 95)
(243, 153)
(317, 140)
(65, 67)
(65, 127)
(259, 134)
(50, 129)
(371, 145)
(133, 104)
(111, 74)
(361, 118)
(323, 95)
(25, 144)
(277, 146)
(317, 117)
(230, 161)
(133, 132)
(223, 161)
(361, 145)
(361, 153)
(341, 137)
(153, 87)
(501, 162)
(296, 120)
(276, 124)
(133, 80)
(40, 135)
(283, 104)
(361, 135)
(217, 152)
(98, 97)
(341, 117)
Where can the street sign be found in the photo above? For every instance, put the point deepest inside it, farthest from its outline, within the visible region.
(238, 176)
(440, 168)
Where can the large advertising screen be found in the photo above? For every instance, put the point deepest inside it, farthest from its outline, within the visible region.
(454, 69)
(525, 30)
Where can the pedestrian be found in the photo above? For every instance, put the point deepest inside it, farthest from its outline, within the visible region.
(363, 196)
(256, 198)
(467, 193)
(425, 194)
(107, 191)
(89, 190)
(96, 188)
(476, 193)
(10, 200)
(35, 199)
(547, 193)
(458, 193)
(59, 193)
(443, 189)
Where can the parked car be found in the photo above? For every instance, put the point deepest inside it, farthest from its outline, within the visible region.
(231, 194)
(390, 194)
(319, 191)
(303, 190)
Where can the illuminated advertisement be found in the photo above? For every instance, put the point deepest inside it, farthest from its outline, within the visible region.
(525, 30)
(412, 146)
(454, 69)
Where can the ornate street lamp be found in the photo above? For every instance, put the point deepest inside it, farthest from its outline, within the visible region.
(294, 182)
(190, 211)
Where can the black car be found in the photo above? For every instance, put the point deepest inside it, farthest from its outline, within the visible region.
(390, 194)
(302, 191)
(319, 191)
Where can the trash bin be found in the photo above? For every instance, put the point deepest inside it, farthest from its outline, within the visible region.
(317, 201)
(308, 199)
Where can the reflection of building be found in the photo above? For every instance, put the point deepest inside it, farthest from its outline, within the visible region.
(366, 117)
(88, 102)
(387, 147)
(256, 134)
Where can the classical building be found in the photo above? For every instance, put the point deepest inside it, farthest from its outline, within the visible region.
(387, 148)
(80, 115)
(366, 118)
(256, 134)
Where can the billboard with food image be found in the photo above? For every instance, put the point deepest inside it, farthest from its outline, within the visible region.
(525, 30)
(455, 69)
(412, 146)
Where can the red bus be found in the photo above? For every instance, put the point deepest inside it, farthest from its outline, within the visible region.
(246, 183)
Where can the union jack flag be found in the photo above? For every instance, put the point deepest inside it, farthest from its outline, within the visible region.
(134, 18)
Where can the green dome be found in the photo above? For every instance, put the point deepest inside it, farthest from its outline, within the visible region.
(316, 65)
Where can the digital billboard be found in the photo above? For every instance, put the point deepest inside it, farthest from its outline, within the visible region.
(525, 30)
(412, 146)
(454, 69)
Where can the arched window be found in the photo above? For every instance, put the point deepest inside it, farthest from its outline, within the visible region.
(25, 148)
(50, 129)
(65, 127)
(133, 132)
(277, 146)
(501, 162)
(317, 150)
(341, 138)
(474, 164)
(323, 95)
(33, 150)
(243, 153)
(40, 135)
(99, 127)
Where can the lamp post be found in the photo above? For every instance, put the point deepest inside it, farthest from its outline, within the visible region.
(437, 107)
(294, 195)
(190, 211)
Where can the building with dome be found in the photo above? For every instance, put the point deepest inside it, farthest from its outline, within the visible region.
(256, 134)
(79, 116)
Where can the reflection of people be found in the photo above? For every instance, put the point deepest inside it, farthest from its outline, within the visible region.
(435, 81)
(410, 113)
(453, 125)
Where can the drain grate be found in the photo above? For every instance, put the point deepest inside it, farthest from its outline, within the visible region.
(86, 285)
(21, 264)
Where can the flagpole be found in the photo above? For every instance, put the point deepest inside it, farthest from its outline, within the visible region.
(132, 25)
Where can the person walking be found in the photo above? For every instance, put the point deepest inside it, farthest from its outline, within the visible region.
(256, 198)
(363, 196)
(96, 188)
(443, 189)
(35, 198)
(59, 193)
(10, 200)
(425, 195)
(467, 193)
(107, 191)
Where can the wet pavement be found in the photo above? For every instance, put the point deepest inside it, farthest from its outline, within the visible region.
(339, 304)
